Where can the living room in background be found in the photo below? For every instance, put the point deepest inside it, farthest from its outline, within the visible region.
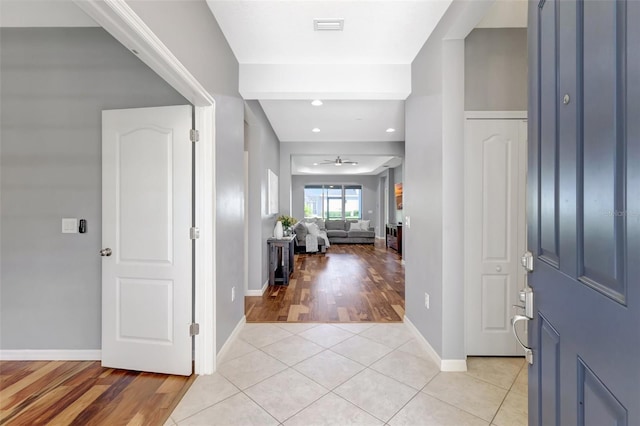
(333, 202)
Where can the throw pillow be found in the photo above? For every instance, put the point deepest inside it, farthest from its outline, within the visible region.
(320, 223)
(364, 224)
(300, 230)
(355, 227)
(313, 229)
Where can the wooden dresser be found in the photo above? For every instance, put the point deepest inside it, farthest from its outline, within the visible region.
(394, 237)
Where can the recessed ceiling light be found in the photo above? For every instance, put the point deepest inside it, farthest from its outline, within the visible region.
(391, 130)
(315, 164)
(315, 130)
(317, 102)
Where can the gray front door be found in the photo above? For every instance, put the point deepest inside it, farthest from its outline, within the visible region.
(584, 212)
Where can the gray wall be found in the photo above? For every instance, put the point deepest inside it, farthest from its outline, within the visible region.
(55, 83)
(264, 154)
(369, 192)
(229, 226)
(425, 200)
(190, 31)
(496, 69)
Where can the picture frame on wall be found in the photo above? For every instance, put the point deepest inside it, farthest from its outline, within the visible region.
(398, 194)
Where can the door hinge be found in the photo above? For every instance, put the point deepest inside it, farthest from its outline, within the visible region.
(194, 329)
(194, 233)
(194, 135)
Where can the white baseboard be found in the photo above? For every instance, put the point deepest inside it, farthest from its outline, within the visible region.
(445, 364)
(232, 338)
(258, 292)
(50, 355)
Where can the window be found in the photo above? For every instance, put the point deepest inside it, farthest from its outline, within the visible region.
(333, 202)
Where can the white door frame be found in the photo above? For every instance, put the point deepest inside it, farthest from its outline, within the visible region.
(117, 18)
(483, 115)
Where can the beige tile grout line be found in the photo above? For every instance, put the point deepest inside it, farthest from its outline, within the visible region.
(507, 394)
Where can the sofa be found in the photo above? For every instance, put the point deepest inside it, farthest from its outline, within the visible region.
(350, 232)
(300, 230)
(338, 232)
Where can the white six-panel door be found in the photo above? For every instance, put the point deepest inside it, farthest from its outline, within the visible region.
(495, 168)
(146, 217)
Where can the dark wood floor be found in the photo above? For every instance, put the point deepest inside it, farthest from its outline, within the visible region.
(350, 283)
(84, 393)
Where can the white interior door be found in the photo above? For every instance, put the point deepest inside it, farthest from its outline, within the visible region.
(495, 189)
(146, 216)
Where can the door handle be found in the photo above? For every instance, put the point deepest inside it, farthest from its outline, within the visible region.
(527, 350)
(105, 252)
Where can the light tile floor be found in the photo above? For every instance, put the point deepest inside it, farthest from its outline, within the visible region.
(350, 374)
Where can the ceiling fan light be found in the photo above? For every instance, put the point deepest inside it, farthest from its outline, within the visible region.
(316, 102)
(315, 164)
(355, 163)
(338, 164)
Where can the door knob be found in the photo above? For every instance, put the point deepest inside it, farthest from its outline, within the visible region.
(105, 252)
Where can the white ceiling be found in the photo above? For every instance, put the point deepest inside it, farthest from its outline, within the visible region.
(367, 164)
(338, 121)
(281, 32)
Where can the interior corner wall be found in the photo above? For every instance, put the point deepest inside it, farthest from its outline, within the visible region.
(229, 221)
(264, 154)
(496, 69)
(433, 189)
(192, 34)
(453, 344)
(55, 83)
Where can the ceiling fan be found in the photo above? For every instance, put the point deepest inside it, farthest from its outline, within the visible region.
(339, 162)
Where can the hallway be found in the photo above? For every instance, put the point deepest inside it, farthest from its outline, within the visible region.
(350, 283)
(339, 374)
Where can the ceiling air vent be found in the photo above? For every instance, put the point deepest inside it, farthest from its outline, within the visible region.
(328, 24)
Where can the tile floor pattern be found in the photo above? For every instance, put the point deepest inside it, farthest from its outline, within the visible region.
(350, 374)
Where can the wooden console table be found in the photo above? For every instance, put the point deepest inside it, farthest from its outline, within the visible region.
(394, 237)
(280, 259)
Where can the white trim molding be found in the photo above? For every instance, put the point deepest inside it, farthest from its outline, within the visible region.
(451, 365)
(495, 115)
(258, 292)
(50, 355)
(231, 340)
(117, 17)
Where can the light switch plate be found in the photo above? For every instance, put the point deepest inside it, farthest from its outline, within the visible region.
(69, 225)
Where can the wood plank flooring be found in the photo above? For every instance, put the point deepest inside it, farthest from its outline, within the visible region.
(84, 393)
(350, 283)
